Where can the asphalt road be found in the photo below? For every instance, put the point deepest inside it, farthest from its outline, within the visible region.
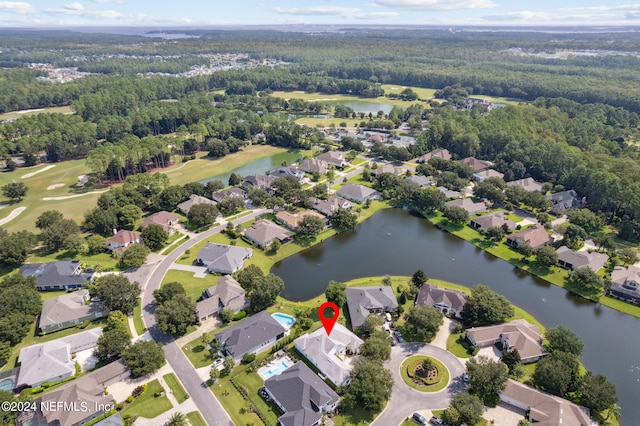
(207, 404)
(405, 400)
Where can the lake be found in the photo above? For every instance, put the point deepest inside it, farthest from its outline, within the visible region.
(363, 106)
(395, 242)
(260, 165)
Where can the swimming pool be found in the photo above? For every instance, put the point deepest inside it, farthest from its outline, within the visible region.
(274, 370)
(6, 384)
(285, 320)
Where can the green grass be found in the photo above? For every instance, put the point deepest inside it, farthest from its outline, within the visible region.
(105, 261)
(137, 319)
(192, 285)
(28, 112)
(176, 387)
(252, 382)
(355, 417)
(408, 423)
(196, 419)
(148, 405)
(337, 98)
(421, 91)
(457, 345)
(412, 360)
(198, 353)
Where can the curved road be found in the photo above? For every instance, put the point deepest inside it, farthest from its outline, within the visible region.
(405, 400)
(207, 404)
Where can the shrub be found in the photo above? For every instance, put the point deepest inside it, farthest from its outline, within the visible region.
(37, 390)
(248, 358)
(45, 385)
(240, 315)
(84, 324)
(139, 390)
(129, 399)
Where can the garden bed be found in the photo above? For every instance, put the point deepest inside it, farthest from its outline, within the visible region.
(414, 374)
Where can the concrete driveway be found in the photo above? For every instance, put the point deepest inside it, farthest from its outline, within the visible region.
(405, 400)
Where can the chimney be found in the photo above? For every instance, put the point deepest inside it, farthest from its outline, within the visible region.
(115, 231)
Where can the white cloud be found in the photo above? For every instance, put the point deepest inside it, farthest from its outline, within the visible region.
(342, 12)
(437, 4)
(18, 7)
(74, 6)
(546, 17)
(522, 15)
(107, 1)
(604, 8)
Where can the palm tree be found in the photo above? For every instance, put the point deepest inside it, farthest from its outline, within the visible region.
(615, 411)
(177, 419)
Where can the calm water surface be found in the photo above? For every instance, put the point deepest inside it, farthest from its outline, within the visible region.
(260, 165)
(396, 243)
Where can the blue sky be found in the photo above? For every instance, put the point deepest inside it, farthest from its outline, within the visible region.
(273, 12)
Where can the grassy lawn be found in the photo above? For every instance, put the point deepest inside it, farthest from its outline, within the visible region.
(421, 91)
(105, 261)
(196, 419)
(176, 387)
(327, 122)
(444, 379)
(193, 286)
(28, 112)
(137, 319)
(337, 98)
(198, 353)
(355, 418)
(252, 382)
(457, 345)
(148, 405)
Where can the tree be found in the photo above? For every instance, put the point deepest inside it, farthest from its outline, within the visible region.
(175, 315)
(235, 179)
(494, 233)
(371, 323)
(309, 228)
(201, 215)
(553, 375)
(336, 293)
(117, 293)
(464, 409)
(128, 216)
(574, 236)
(134, 256)
(377, 346)
(15, 191)
(96, 244)
(628, 255)
(370, 386)
(487, 378)
(485, 307)
(343, 219)
(456, 215)
(418, 278)
(230, 205)
(586, 278)
(249, 276)
(423, 322)
(511, 359)
(48, 218)
(585, 218)
(143, 357)
(561, 339)
(228, 364)
(177, 419)
(226, 315)
(168, 291)
(112, 343)
(101, 221)
(596, 392)
(266, 291)
(546, 256)
(59, 235)
(154, 236)
(15, 248)
(274, 247)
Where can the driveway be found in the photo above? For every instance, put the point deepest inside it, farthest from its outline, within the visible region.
(198, 271)
(405, 400)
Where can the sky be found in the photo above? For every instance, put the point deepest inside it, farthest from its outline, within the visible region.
(164, 13)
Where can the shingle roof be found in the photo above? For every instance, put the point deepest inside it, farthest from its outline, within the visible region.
(192, 201)
(521, 335)
(329, 206)
(264, 231)
(476, 164)
(300, 392)
(226, 294)
(249, 333)
(626, 280)
(565, 200)
(259, 181)
(44, 361)
(292, 220)
(232, 192)
(67, 308)
(430, 295)
(53, 274)
(484, 174)
(124, 236)
(386, 168)
(353, 191)
(161, 218)
(493, 219)
(468, 204)
(436, 153)
(224, 258)
(534, 237)
(448, 192)
(419, 179)
(582, 259)
(286, 171)
(528, 183)
(313, 165)
(332, 157)
(362, 300)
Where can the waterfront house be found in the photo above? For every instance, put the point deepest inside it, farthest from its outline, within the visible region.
(357, 193)
(263, 232)
(231, 192)
(518, 334)
(493, 219)
(327, 207)
(449, 302)
(625, 284)
(468, 204)
(363, 301)
(222, 258)
(534, 237)
(571, 260)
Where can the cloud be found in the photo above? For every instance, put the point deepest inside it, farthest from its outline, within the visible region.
(19, 7)
(437, 4)
(107, 1)
(76, 9)
(74, 6)
(538, 17)
(603, 8)
(342, 12)
(515, 16)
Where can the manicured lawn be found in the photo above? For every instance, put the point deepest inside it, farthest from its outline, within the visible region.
(337, 98)
(28, 112)
(327, 122)
(103, 261)
(192, 285)
(198, 353)
(137, 319)
(457, 345)
(252, 382)
(408, 423)
(196, 419)
(176, 387)
(355, 418)
(148, 405)
(443, 371)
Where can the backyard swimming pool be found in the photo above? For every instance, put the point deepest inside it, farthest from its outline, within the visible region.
(285, 320)
(6, 384)
(277, 367)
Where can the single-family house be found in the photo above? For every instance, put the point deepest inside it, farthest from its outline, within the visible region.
(122, 239)
(62, 275)
(85, 399)
(571, 260)
(227, 294)
(222, 258)
(544, 409)
(258, 181)
(625, 284)
(421, 181)
(251, 335)
(52, 361)
(286, 171)
(292, 220)
(562, 202)
(493, 219)
(448, 192)
(386, 168)
(327, 352)
(534, 237)
(468, 204)
(449, 302)
(231, 192)
(301, 395)
(528, 184)
(327, 207)
(263, 232)
(357, 193)
(443, 154)
(194, 199)
(363, 301)
(485, 174)
(314, 165)
(475, 164)
(69, 309)
(518, 334)
(165, 219)
(333, 158)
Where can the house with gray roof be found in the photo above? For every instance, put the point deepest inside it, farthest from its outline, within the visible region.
(493, 219)
(571, 260)
(357, 193)
(301, 395)
(528, 184)
(625, 284)
(231, 192)
(286, 171)
(227, 294)
(562, 202)
(251, 335)
(449, 302)
(258, 181)
(448, 192)
(386, 168)
(419, 180)
(62, 275)
(263, 232)
(194, 199)
(69, 309)
(468, 204)
(443, 154)
(327, 352)
(363, 301)
(223, 258)
(314, 165)
(518, 334)
(327, 207)
(485, 174)
(333, 158)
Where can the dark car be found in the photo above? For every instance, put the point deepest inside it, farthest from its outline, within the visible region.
(392, 340)
(436, 421)
(419, 418)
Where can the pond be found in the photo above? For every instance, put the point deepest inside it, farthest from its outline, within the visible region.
(260, 165)
(395, 242)
(363, 106)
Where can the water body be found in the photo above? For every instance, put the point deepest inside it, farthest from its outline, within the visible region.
(363, 106)
(260, 165)
(396, 243)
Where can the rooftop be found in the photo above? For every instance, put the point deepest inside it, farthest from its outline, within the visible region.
(363, 300)
(249, 333)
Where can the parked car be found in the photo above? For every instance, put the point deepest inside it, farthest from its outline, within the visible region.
(399, 336)
(392, 325)
(392, 340)
(465, 378)
(436, 421)
(419, 418)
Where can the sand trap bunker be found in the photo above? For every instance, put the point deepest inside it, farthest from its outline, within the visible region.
(66, 197)
(12, 215)
(28, 175)
(54, 186)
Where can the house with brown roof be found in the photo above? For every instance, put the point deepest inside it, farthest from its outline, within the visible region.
(292, 220)
(443, 154)
(192, 201)
(69, 309)
(162, 218)
(122, 239)
(449, 302)
(518, 334)
(625, 284)
(333, 158)
(327, 207)
(529, 184)
(534, 237)
(357, 193)
(475, 164)
(493, 219)
(468, 204)
(231, 192)
(263, 232)
(314, 165)
(227, 294)
(485, 174)
(544, 409)
(386, 168)
(571, 260)
(258, 181)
